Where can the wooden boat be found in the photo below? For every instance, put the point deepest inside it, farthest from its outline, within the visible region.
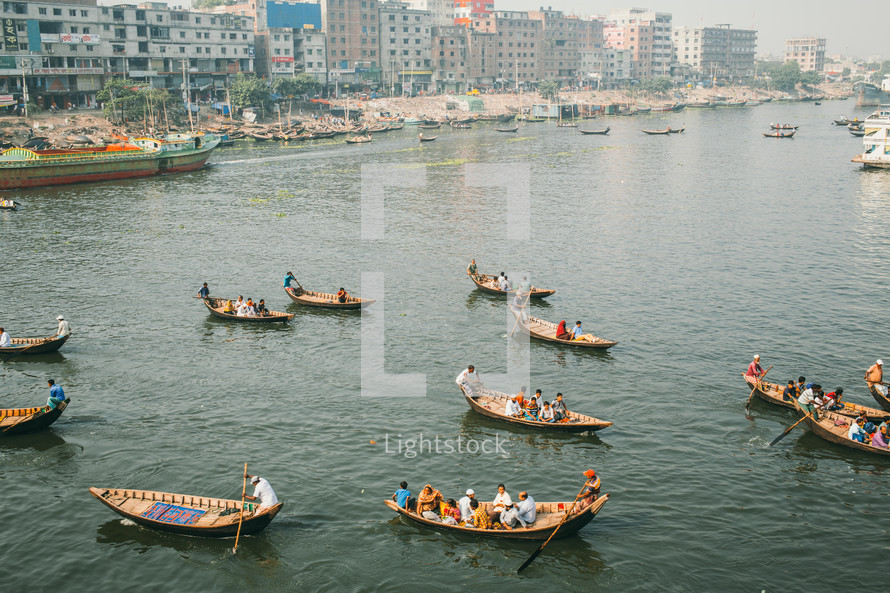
(507, 130)
(260, 137)
(564, 124)
(358, 140)
(9, 204)
(532, 120)
(833, 428)
(492, 404)
(663, 108)
(185, 514)
(779, 134)
(817, 103)
(857, 133)
(435, 126)
(700, 105)
(548, 517)
(595, 132)
(772, 393)
(427, 138)
(392, 127)
(546, 331)
(325, 300)
(856, 127)
(483, 283)
(216, 306)
(21, 420)
(663, 132)
(33, 345)
(678, 130)
(783, 127)
(460, 126)
(882, 399)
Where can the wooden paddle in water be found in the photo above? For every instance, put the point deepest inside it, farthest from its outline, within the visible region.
(241, 518)
(519, 316)
(787, 430)
(541, 548)
(756, 385)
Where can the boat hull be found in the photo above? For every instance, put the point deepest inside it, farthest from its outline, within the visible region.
(589, 426)
(37, 421)
(33, 346)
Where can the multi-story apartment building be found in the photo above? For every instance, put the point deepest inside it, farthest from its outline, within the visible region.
(716, 52)
(518, 40)
(405, 47)
(441, 11)
(617, 66)
(450, 57)
(467, 11)
(647, 34)
(559, 52)
(591, 50)
(809, 52)
(70, 46)
(353, 41)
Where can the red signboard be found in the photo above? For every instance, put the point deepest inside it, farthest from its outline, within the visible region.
(285, 59)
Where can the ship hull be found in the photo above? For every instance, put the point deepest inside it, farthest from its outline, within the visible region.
(869, 95)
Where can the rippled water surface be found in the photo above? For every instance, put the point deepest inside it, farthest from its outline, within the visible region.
(693, 251)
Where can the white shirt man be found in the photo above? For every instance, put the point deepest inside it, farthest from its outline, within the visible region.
(5, 340)
(512, 408)
(504, 283)
(526, 508)
(464, 505)
(806, 397)
(263, 492)
(64, 327)
(468, 379)
(502, 499)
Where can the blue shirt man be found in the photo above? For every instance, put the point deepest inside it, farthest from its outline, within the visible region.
(204, 292)
(56, 395)
(288, 279)
(526, 508)
(576, 331)
(401, 495)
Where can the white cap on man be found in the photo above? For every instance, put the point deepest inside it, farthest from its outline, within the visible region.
(470, 492)
(880, 362)
(60, 318)
(254, 479)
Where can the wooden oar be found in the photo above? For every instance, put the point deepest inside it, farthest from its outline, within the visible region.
(756, 385)
(241, 518)
(787, 430)
(518, 317)
(541, 548)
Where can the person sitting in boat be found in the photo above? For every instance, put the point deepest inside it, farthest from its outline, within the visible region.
(428, 503)
(879, 438)
(261, 309)
(560, 411)
(204, 292)
(510, 517)
(857, 432)
(547, 413)
(532, 409)
(479, 518)
(512, 408)
(504, 284)
(591, 488)
(526, 509)
(56, 395)
(469, 380)
(499, 504)
(561, 332)
(229, 308)
(755, 371)
(451, 514)
(471, 269)
(466, 511)
(578, 334)
(801, 385)
(402, 495)
(240, 305)
(525, 287)
(342, 295)
(832, 401)
(790, 392)
(5, 340)
(263, 492)
(251, 308)
(874, 377)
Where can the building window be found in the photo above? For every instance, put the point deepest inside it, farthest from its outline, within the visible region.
(198, 49)
(182, 34)
(160, 18)
(72, 13)
(197, 20)
(74, 29)
(41, 10)
(181, 49)
(57, 12)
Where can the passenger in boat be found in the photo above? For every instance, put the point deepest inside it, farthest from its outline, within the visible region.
(879, 438)
(342, 295)
(832, 401)
(204, 292)
(451, 514)
(874, 377)
(428, 503)
(479, 517)
(5, 340)
(466, 511)
(560, 412)
(263, 492)
(501, 500)
(857, 432)
(229, 308)
(561, 332)
(510, 517)
(402, 495)
(505, 284)
(755, 371)
(251, 308)
(469, 380)
(471, 269)
(532, 409)
(240, 305)
(525, 286)
(261, 309)
(807, 401)
(592, 488)
(790, 392)
(526, 508)
(578, 334)
(56, 395)
(547, 413)
(512, 409)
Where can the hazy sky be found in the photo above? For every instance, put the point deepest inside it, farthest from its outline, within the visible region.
(857, 27)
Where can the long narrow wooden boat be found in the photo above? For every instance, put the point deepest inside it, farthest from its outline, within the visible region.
(216, 306)
(779, 134)
(483, 283)
(140, 157)
(834, 428)
(185, 514)
(9, 206)
(548, 517)
(701, 105)
(565, 124)
(663, 132)
(492, 404)
(772, 393)
(427, 138)
(435, 126)
(678, 130)
(507, 130)
(359, 140)
(33, 345)
(546, 331)
(325, 300)
(460, 126)
(783, 127)
(595, 132)
(21, 420)
(882, 399)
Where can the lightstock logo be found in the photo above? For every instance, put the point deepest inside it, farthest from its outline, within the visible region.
(514, 179)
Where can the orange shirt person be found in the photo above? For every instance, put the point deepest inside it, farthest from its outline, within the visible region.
(342, 295)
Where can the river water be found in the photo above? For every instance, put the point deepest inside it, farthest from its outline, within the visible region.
(693, 251)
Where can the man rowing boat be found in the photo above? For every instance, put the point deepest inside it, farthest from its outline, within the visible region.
(469, 380)
(874, 377)
(263, 492)
(755, 371)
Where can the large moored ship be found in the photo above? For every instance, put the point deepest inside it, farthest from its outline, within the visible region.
(876, 140)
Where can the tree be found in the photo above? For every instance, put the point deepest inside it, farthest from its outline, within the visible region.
(810, 78)
(846, 72)
(657, 86)
(211, 3)
(247, 91)
(121, 96)
(548, 89)
(301, 84)
(786, 76)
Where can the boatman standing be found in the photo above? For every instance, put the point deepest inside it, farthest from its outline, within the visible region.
(263, 492)
(64, 327)
(591, 488)
(874, 377)
(469, 380)
(471, 269)
(204, 292)
(288, 278)
(755, 371)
